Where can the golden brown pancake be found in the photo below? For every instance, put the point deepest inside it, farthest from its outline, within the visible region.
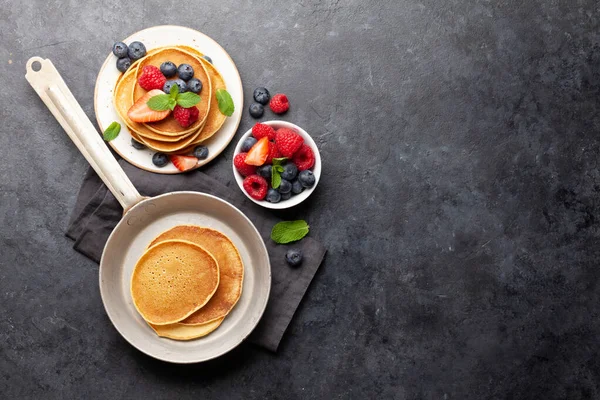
(231, 269)
(183, 143)
(123, 100)
(172, 280)
(215, 118)
(186, 332)
(169, 125)
(170, 147)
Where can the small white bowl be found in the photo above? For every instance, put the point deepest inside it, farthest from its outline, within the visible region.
(316, 169)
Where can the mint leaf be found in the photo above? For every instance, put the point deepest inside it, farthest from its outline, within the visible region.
(279, 161)
(174, 91)
(188, 99)
(275, 177)
(161, 102)
(225, 102)
(289, 231)
(112, 131)
(279, 168)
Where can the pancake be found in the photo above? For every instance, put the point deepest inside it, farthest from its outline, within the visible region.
(215, 118)
(123, 100)
(170, 147)
(231, 269)
(172, 280)
(186, 332)
(169, 126)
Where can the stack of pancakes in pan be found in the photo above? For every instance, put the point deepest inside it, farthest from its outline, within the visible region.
(187, 281)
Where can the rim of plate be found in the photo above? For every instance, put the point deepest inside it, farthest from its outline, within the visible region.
(213, 154)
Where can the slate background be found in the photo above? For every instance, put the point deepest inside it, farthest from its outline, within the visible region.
(458, 201)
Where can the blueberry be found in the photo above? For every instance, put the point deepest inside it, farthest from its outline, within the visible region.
(207, 58)
(256, 110)
(265, 171)
(285, 186)
(286, 196)
(123, 64)
(290, 171)
(201, 152)
(120, 49)
(136, 50)
(137, 145)
(262, 95)
(182, 85)
(297, 187)
(194, 85)
(160, 159)
(306, 178)
(168, 69)
(294, 257)
(185, 72)
(273, 196)
(248, 143)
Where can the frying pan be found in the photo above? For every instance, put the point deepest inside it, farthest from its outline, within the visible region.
(145, 218)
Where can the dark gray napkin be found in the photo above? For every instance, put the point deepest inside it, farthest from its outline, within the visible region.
(97, 212)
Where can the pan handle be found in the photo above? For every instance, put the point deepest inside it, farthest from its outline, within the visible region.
(53, 91)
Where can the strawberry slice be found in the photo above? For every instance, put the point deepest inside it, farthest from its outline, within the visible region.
(140, 112)
(259, 152)
(183, 163)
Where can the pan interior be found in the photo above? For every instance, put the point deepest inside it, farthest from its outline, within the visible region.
(127, 243)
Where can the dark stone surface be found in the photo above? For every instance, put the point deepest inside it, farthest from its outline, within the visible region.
(459, 201)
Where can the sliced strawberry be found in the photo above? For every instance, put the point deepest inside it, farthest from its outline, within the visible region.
(259, 152)
(183, 163)
(140, 112)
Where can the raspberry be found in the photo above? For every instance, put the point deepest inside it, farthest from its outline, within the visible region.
(273, 153)
(186, 116)
(279, 103)
(261, 130)
(239, 162)
(304, 158)
(256, 186)
(288, 142)
(151, 78)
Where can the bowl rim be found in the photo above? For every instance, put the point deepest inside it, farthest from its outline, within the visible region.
(316, 169)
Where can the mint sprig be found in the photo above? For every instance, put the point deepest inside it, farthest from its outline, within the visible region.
(279, 161)
(163, 102)
(289, 231)
(276, 171)
(112, 131)
(225, 101)
(174, 91)
(188, 99)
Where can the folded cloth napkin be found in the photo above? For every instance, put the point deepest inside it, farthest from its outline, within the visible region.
(97, 212)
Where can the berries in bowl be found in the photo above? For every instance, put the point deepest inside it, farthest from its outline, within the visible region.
(276, 164)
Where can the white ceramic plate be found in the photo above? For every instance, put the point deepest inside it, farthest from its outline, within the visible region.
(316, 169)
(159, 36)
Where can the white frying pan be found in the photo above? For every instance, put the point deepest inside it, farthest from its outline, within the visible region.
(145, 218)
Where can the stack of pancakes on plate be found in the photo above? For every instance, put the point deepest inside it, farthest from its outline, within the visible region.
(167, 135)
(187, 281)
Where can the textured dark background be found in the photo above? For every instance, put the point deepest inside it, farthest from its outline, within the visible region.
(458, 201)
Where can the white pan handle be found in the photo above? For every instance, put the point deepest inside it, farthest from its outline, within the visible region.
(53, 91)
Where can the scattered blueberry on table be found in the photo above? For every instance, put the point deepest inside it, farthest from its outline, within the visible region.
(294, 257)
